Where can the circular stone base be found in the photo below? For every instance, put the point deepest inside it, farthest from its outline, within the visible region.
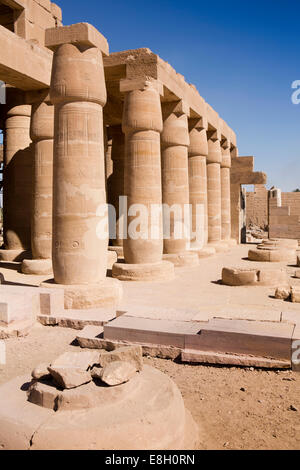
(254, 277)
(39, 267)
(162, 271)
(220, 247)
(281, 242)
(273, 255)
(14, 255)
(180, 260)
(149, 416)
(118, 249)
(105, 293)
(112, 258)
(231, 242)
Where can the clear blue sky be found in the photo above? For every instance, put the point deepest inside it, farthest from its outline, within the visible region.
(242, 55)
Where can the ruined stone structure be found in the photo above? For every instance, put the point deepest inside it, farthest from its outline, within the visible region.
(164, 145)
(278, 211)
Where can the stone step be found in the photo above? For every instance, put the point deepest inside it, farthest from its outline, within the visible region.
(91, 337)
(78, 319)
(269, 340)
(207, 357)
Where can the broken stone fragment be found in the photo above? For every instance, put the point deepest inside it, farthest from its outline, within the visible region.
(78, 360)
(117, 373)
(96, 373)
(40, 372)
(295, 295)
(131, 354)
(42, 394)
(69, 377)
(283, 293)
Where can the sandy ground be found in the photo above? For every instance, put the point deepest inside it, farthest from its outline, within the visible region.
(234, 408)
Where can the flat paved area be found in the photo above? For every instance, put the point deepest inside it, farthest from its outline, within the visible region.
(195, 293)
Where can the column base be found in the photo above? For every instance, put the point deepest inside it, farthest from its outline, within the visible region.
(118, 249)
(162, 271)
(39, 267)
(230, 242)
(220, 247)
(206, 252)
(112, 258)
(187, 258)
(106, 293)
(14, 255)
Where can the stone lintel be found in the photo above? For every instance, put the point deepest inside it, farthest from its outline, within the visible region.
(83, 34)
(37, 96)
(140, 84)
(214, 135)
(15, 4)
(198, 123)
(225, 143)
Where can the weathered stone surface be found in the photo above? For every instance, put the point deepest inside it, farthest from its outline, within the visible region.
(132, 354)
(117, 373)
(283, 293)
(91, 337)
(69, 377)
(213, 357)
(43, 394)
(253, 277)
(79, 360)
(295, 295)
(41, 371)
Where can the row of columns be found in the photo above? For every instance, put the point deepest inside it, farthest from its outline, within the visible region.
(160, 157)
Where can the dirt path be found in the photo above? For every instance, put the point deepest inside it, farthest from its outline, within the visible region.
(235, 408)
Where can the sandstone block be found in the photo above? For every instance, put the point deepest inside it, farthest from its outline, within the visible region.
(117, 373)
(131, 354)
(40, 372)
(295, 295)
(43, 394)
(80, 360)
(69, 377)
(283, 293)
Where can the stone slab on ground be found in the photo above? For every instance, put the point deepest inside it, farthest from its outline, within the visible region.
(262, 339)
(271, 340)
(78, 319)
(207, 357)
(91, 337)
(145, 330)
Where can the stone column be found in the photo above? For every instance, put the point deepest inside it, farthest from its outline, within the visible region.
(17, 179)
(41, 132)
(80, 225)
(175, 185)
(225, 194)
(142, 125)
(116, 185)
(198, 151)
(214, 160)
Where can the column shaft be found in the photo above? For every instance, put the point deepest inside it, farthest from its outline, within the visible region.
(41, 132)
(225, 189)
(214, 191)
(198, 151)
(143, 244)
(17, 183)
(116, 180)
(78, 92)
